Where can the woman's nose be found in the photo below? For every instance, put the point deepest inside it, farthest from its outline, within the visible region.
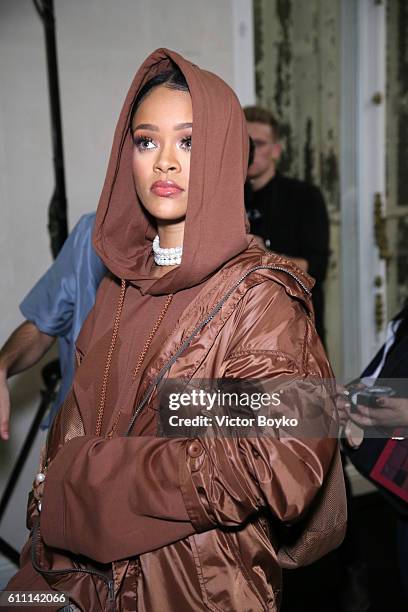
(167, 161)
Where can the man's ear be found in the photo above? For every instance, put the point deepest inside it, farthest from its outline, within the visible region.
(276, 151)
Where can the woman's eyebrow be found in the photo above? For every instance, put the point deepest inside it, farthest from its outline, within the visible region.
(146, 126)
(183, 126)
(154, 128)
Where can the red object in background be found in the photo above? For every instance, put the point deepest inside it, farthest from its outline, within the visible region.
(391, 468)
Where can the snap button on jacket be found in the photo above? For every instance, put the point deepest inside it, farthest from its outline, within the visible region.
(195, 449)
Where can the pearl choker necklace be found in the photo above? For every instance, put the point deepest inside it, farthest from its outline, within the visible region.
(166, 257)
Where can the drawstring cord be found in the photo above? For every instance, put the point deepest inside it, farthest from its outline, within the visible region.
(102, 401)
(151, 335)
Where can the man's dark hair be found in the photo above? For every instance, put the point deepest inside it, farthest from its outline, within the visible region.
(257, 114)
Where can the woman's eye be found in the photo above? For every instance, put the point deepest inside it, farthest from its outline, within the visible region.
(143, 143)
(186, 143)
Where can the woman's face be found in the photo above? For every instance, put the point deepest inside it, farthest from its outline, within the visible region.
(161, 129)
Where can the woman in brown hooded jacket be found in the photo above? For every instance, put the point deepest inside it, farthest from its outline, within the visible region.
(132, 521)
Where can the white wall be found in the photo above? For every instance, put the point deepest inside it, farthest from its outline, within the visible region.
(100, 45)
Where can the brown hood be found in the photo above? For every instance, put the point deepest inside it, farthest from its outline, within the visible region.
(216, 228)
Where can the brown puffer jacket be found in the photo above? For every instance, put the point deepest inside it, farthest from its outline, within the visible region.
(153, 524)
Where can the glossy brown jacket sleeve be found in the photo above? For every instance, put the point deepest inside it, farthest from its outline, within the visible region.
(110, 499)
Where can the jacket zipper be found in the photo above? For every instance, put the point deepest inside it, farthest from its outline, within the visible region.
(199, 327)
(74, 570)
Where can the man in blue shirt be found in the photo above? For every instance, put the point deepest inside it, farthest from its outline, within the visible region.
(56, 307)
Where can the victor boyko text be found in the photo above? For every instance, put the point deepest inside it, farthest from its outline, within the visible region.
(282, 406)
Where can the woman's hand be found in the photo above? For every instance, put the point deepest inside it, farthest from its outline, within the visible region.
(353, 434)
(342, 403)
(390, 412)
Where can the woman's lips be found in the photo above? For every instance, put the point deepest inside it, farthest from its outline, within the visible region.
(166, 189)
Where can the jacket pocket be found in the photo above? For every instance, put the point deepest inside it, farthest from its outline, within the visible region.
(226, 584)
